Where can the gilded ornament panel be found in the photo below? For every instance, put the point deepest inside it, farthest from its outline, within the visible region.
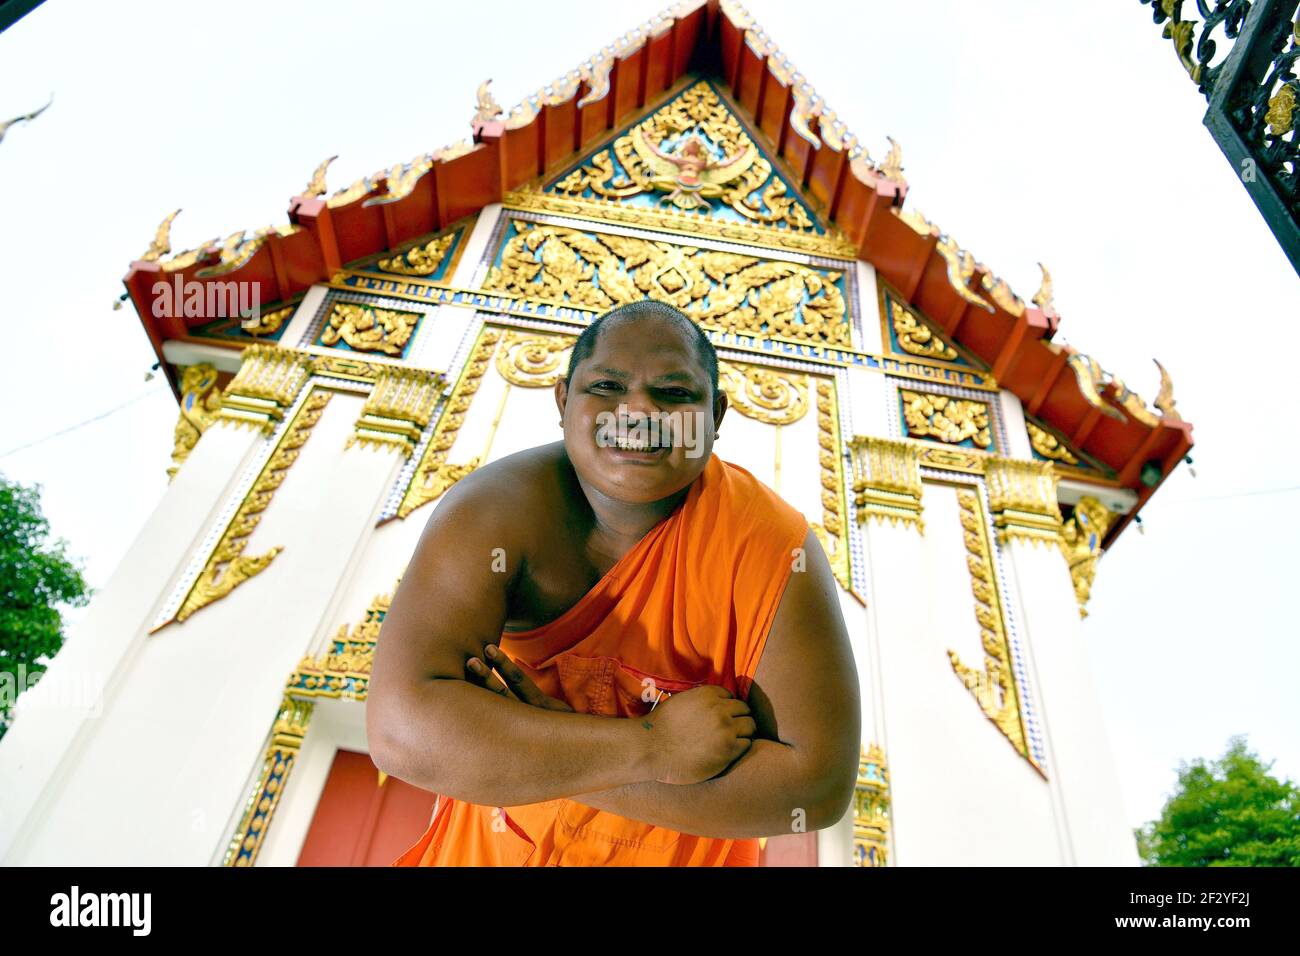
(724, 291)
(907, 334)
(362, 327)
(954, 421)
(692, 154)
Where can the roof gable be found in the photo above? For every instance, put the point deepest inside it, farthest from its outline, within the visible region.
(853, 203)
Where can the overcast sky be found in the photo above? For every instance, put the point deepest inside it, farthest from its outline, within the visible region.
(1066, 133)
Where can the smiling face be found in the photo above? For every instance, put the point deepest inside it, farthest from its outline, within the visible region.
(639, 417)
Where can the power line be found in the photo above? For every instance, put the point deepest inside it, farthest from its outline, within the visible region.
(1236, 494)
(89, 421)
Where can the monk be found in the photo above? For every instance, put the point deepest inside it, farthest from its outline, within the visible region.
(618, 649)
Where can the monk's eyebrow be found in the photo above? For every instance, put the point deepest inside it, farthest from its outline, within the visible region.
(624, 376)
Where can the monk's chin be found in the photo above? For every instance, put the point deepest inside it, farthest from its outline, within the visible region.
(638, 484)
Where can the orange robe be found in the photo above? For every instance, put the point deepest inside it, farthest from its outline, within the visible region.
(690, 604)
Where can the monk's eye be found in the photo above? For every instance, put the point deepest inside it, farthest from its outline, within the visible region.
(605, 385)
(676, 393)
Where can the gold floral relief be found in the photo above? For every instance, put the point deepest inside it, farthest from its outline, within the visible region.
(772, 396)
(422, 260)
(366, 328)
(726, 291)
(917, 338)
(534, 359)
(1048, 445)
(950, 420)
(695, 154)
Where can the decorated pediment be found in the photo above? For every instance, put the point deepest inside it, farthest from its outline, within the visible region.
(726, 291)
(694, 155)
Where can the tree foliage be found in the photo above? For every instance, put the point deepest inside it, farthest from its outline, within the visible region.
(1229, 812)
(36, 578)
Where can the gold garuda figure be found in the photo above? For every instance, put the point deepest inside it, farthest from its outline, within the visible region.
(688, 172)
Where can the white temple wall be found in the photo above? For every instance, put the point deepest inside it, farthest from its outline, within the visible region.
(960, 793)
(192, 713)
(47, 744)
(1082, 764)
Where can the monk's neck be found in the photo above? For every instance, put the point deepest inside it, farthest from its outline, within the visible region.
(617, 526)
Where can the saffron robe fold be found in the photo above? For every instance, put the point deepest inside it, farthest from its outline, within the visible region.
(692, 603)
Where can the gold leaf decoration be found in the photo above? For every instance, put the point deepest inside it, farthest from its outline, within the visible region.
(993, 687)
(917, 338)
(228, 567)
(720, 290)
(950, 420)
(696, 153)
(1048, 445)
(367, 328)
(200, 405)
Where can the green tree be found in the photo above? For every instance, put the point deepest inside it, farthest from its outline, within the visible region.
(36, 578)
(1229, 812)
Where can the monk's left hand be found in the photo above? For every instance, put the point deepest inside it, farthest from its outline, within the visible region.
(476, 672)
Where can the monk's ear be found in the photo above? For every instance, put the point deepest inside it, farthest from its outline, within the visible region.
(561, 395)
(720, 406)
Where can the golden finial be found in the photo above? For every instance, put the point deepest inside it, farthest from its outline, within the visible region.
(317, 185)
(892, 167)
(1165, 400)
(1043, 297)
(162, 243)
(25, 118)
(487, 108)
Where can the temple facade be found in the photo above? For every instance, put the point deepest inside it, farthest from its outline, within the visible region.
(338, 372)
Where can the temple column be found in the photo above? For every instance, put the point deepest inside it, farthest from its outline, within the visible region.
(1081, 770)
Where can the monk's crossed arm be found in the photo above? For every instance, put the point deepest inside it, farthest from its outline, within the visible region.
(427, 724)
(799, 773)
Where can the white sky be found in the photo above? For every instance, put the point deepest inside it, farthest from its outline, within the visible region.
(1066, 133)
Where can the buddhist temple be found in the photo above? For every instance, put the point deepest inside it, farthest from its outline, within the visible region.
(337, 371)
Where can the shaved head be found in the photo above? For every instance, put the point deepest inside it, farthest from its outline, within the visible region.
(647, 309)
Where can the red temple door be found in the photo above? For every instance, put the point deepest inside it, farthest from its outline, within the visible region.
(360, 822)
(794, 849)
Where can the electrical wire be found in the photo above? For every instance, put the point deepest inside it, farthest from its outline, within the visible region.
(89, 421)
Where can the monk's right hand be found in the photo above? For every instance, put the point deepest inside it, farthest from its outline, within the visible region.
(698, 733)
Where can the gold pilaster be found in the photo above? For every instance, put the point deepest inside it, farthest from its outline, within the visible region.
(435, 474)
(398, 409)
(1022, 495)
(268, 382)
(286, 740)
(887, 480)
(871, 809)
